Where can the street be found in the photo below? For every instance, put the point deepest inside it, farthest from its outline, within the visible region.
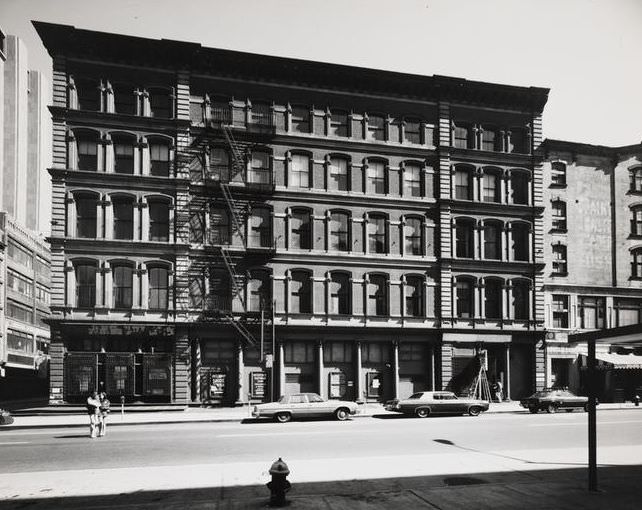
(61, 462)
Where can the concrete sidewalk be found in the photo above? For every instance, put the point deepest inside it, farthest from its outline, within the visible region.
(220, 414)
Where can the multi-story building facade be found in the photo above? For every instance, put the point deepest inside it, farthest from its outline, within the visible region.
(230, 227)
(593, 253)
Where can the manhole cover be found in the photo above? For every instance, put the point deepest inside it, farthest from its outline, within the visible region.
(463, 480)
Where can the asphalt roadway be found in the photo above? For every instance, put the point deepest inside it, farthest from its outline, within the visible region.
(40, 464)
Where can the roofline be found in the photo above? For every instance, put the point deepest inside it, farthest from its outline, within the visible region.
(67, 40)
(622, 335)
(587, 148)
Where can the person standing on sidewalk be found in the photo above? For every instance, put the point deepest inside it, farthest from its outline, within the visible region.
(499, 391)
(93, 408)
(103, 411)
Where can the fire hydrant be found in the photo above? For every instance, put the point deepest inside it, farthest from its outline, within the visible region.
(636, 400)
(279, 485)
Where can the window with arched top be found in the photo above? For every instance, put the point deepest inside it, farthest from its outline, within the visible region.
(412, 182)
(86, 214)
(463, 183)
(521, 299)
(376, 177)
(85, 273)
(338, 174)
(520, 246)
(123, 153)
(493, 289)
(259, 291)
(260, 227)
(300, 229)
(464, 238)
(159, 163)
(300, 292)
(414, 296)
(377, 294)
(413, 236)
(158, 295)
(635, 179)
(339, 238)
(491, 188)
(300, 171)
(340, 293)
(519, 188)
(87, 150)
(464, 297)
(558, 173)
(492, 240)
(158, 219)
(122, 285)
(377, 233)
(123, 215)
(636, 263)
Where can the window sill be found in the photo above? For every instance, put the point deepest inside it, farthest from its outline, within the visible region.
(565, 273)
(558, 186)
(558, 231)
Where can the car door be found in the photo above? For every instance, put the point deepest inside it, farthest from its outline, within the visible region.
(318, 406)
(451, 404)
(299, 405)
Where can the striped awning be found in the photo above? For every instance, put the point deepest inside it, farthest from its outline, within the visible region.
(615, 361)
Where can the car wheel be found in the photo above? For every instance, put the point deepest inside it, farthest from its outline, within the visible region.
(474, 411)
(533, 410)
(341, 414)
(422, 413)
(551, 409)
(283, 417)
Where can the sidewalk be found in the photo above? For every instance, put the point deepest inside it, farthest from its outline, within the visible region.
(220, 414)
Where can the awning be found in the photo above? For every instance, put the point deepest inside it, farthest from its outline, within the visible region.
(615, 361)
(486, 338)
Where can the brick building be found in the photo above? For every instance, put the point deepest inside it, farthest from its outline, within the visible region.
(228, 227)
(593, 253)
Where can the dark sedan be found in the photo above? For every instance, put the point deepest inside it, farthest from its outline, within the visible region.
(427, 403)
(552, 400)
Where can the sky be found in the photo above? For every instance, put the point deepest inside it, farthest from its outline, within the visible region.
(588, 52)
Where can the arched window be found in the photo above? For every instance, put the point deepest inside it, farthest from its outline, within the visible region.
(376, 178)
(196, 287)
(558, 173)
(260, 227)
(122, 285)
(158, 219)
(520, 235)
(376, 128)
(414, 290)
(301, 119)
(159, 157)
(491, 186)
(635, 179)
(489, 139)
(340, 293)
(86, 213)
(301, 230)
(196, 227)
(636, 221)
(339, 238)
(519, 188)
(300, 292)
(87, 151)
(300, 171)
(464, 296)
(123, 154)
(219, 226)
(413, 238)
(463, 183)
(85, 273)
(125, 99)
(123, 211)
(260, 168)
(377, 295)
(559, 259)
(493, 298)
(158, 277)
(412, 131)
(259, 291)
(558, 215)
(161, 102)
(521, 299)
(338, 174)
(219, 165)
(492, 240)
(377, 233)
(412, 181)
(464, 238)
(636, 263)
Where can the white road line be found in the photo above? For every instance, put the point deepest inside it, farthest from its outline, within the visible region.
(16, 442)
(582, 423)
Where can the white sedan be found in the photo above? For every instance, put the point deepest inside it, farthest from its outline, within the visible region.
(304, 405)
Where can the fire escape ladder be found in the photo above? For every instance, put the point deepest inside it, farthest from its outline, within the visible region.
(237, 289)
(240, 327)
(238, 161)
(235, 211)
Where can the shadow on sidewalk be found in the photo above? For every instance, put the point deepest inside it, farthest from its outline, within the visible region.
(563, 489)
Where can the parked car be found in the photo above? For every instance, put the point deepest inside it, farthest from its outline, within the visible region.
(551, 400)
(427, 403)
(304, 405)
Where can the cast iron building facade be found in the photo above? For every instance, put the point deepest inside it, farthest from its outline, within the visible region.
(593, 253)
(387, 227)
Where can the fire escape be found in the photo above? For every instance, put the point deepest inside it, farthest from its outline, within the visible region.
(237, 189)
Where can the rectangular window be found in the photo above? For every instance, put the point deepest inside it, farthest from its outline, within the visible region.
(628, 312)
(412, 131)
(338, 178)
(85, 285)
(86, 213)
(20, 254)
(19, 312)
(125, 100)
(339, 232)
(196, 291)
(489, 139)
(260, 168)
(559, 307)
(592, 310)
(19, 342)
(122, 286)
(159, 159)
(463, 185)
(158, 221)
(374, 353)
(300, 172)
(20, 284)
(558, 173)
(376, 128)
(42, 294)
(337, 352)
(301, 237)
(461, 137)
(300, 119)
(412, 351)
(558, 215)
(339, 124)
(87, 154)
(559, 259)
(41, 266)
(412, 181)
(299, 352)
(158, 288)
(376, 178)
(377, 242)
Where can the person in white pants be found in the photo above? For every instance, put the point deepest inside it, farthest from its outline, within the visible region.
(93, 406)
(103, 411)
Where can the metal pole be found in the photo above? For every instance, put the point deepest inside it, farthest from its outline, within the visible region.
(272, 381)
(262, 332)
(592, 428)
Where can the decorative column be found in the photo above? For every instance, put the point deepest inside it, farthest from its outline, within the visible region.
(108, 224)
(196, 370)
(357, 373)
(281, 375)
(144, 157)
(107, 302)
(70, 225)
(433, 367)
(395, 368)
(507, 376)
(243, 394)
(144, 288)
(320, 385)
(70, 302)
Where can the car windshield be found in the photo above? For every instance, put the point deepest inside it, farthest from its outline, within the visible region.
(416, 395)
(313, 397)
(541, 394)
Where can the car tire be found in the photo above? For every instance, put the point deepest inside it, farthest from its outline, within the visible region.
(551, 409)
(283, 417)
(341, 414)
(422, 413)
(474, 411)
(533, 410)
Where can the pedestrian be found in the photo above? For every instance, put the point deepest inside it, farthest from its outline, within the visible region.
(103, 411)
(93, 406)
(499, 391)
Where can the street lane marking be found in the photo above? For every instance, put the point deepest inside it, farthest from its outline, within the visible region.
(15, 442)
(557, 424)
(301, 433)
